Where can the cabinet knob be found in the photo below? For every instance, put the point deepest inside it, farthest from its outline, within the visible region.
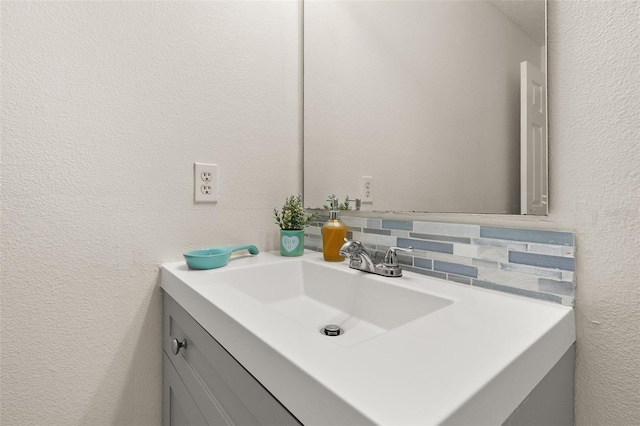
(176, 345)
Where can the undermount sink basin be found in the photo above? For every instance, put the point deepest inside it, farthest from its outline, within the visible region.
(362, 305)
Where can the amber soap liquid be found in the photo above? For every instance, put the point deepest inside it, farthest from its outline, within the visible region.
(333, 234)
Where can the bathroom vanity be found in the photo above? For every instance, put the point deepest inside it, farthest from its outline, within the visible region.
(204, 384)
(245, 344)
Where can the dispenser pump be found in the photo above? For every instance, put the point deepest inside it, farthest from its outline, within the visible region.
(335, 212)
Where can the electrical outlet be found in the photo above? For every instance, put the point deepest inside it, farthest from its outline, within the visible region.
(205, 183)
(367, 189)
(206, 176)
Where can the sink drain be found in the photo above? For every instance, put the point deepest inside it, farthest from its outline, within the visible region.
(331, 330)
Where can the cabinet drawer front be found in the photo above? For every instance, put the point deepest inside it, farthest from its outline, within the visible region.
(221, 388)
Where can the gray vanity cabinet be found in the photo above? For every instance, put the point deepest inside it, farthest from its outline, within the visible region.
(204, 385)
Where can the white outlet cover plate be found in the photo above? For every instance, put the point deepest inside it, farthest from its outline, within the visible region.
(367, 189)
(205, 183)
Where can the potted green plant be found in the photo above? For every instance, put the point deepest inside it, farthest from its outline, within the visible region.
(341, 206)
(292, 219)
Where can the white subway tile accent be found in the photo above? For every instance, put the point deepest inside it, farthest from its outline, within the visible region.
(358, 222)
(486, 264)
(465, 250)
(532, 270)
(313, 230)
(497, 254)
(500, 243)
(445, 257)
(451, 229)
(498, 276)
(375, 239)
(398, 233)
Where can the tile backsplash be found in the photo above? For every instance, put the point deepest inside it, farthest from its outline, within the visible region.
(528, 262)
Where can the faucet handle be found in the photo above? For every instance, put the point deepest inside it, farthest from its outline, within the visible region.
(391, 259)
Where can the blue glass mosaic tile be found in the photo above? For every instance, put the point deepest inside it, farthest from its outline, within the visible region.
(423, 263)
(376, 231)
(459, 279)
(565, 288)
(440, 238)
(518, 291)
(528, 235)
(426, 245)
(454, 268)
(542, 260)
(403, 225)
(428, 272)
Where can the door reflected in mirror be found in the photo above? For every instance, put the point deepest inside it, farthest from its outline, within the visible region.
(429, 99)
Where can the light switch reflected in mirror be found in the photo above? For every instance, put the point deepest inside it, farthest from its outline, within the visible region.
(430, 99)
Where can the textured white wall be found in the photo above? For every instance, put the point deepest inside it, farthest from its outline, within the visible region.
(594, 52)
(435, 85)
(80, 306)
(105, 106)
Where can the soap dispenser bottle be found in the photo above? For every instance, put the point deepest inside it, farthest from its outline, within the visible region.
(333, 234)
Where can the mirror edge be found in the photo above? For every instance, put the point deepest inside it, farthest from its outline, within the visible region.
(422, 215)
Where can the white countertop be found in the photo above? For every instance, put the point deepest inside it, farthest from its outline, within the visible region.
(471, 362)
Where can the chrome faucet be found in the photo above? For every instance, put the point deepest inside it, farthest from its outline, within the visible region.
(360, 259)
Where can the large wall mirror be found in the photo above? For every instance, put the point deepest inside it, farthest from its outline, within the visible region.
(435, 100)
